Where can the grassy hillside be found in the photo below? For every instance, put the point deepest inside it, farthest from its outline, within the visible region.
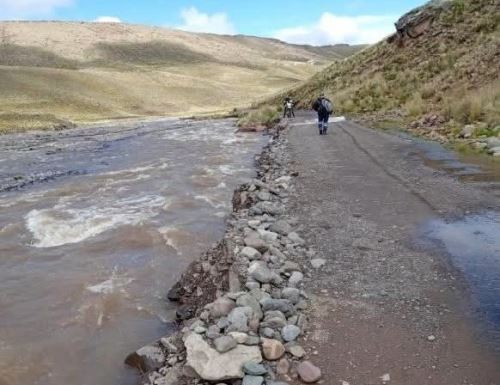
(437, 83)
(52, 72)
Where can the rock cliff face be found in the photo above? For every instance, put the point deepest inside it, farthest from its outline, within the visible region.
(419, 20)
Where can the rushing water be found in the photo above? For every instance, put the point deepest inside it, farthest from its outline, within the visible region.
(95, 226)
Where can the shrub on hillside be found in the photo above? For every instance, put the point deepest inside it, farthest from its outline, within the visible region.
(265, 116)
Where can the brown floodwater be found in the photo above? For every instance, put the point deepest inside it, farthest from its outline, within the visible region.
(95, 225)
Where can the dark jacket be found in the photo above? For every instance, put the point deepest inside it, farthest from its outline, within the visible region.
(318, 106)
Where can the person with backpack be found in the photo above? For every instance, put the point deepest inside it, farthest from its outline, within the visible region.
(324, 107)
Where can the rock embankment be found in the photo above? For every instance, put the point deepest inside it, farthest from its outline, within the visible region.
(241, 306)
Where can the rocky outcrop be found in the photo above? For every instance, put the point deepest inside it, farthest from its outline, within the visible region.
(418, 21)
(242, 304)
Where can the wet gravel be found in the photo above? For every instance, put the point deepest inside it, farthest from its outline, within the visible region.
(385, 304)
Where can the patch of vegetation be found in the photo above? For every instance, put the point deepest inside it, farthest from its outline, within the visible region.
(487, 131)
(264, 116)
(17, 55)
(15, 122)
(151, 53)
(468, 107)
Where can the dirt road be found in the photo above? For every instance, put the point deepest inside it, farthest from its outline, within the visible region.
(388, 306)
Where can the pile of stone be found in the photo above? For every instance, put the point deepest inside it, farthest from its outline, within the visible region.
(250, 332)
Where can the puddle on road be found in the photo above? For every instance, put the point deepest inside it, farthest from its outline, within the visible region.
(473, 244)
(478, 168)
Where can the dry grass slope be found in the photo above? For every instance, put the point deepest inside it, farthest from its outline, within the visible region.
(52, 72)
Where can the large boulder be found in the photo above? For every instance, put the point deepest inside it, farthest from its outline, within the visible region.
(211, 365)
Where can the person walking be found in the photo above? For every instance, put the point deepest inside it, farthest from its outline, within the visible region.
(288, 106)
(324, 107)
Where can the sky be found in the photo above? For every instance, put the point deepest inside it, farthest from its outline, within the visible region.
(316, 22)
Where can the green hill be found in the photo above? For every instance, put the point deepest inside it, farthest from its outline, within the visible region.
(443, 73)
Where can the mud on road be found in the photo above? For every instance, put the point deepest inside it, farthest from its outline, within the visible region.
(387, 305)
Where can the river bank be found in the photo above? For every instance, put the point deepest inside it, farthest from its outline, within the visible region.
(242, 304)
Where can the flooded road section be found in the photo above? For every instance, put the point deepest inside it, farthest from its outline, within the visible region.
(95, 226)
(473, 244)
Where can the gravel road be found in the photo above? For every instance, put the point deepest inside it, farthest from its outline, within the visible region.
(388, 307)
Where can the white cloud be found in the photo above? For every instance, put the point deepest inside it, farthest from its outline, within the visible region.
(19, 9)
(196, 21)
(333, 29)
(108, 19)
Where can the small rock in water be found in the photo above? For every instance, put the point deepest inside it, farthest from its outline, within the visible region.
(175, 294)
(147, 358)
(308, 372)
(253, 380)
(224, 344)
(254, 369)
(184, 313)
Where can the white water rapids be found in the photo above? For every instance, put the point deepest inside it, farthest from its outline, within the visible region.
(96, 224)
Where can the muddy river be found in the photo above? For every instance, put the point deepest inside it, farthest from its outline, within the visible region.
(95, 225)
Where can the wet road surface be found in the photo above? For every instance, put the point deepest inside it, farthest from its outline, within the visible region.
(410, 288)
